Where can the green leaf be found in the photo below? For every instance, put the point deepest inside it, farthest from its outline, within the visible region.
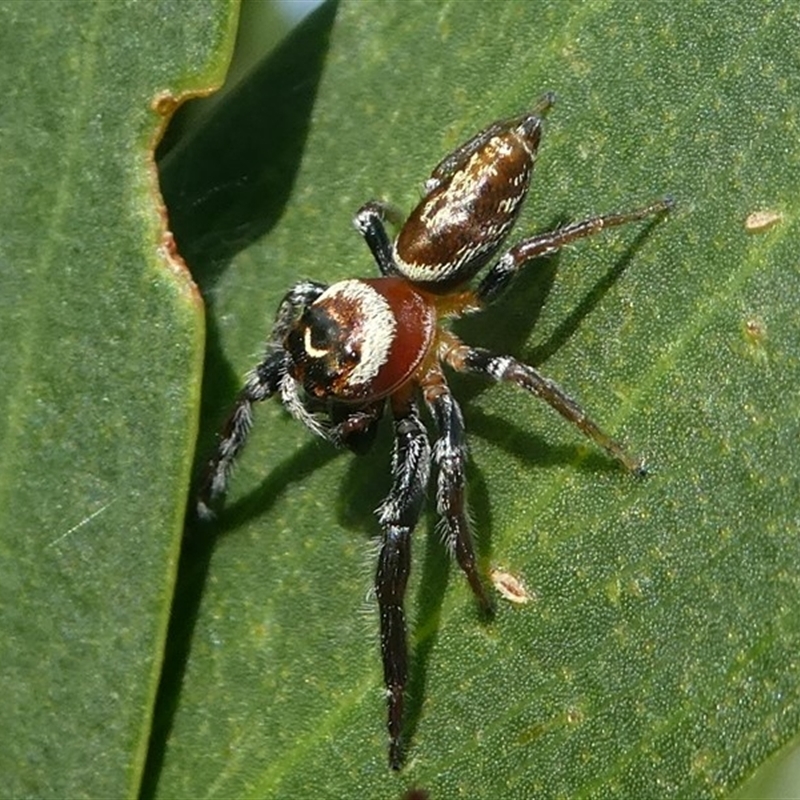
(658, 657)
(102, 339)
(658, 654)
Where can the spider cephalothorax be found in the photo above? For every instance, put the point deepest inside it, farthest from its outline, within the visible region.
(352, 347)
(361, 339)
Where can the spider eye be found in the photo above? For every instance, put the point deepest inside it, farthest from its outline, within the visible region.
(320, 335)
(324, 350)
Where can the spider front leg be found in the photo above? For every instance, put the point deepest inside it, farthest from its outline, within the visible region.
(398, 515)
(450, 455)
(501, 275)
(269, 377)
(369, 222)
(262, 383)
(505, 368)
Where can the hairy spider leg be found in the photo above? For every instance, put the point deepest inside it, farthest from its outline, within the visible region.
(369, 222)
(398, 516)
(450, 457)
(261, 383)
(269, 377)
(501, 274)
(464, 358)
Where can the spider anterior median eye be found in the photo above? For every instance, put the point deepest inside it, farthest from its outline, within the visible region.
(324, 352)
(322, 334)
(318, 348)
(327, 340)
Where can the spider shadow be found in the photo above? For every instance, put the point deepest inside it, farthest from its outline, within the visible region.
(224, 187)
(199, 542)
(504, 328)
(227, 182)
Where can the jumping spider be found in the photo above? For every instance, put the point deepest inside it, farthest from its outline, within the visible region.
(338, 354)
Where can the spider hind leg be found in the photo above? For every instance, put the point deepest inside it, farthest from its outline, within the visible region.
(497, 280)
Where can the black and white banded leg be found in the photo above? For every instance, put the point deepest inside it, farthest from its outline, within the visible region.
(398, 515)
(450, 456)
(369, 222)
(262, 382)
(269, 376)
(500, 276)
(505, 368)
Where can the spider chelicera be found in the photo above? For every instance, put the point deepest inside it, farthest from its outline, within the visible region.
(339, 354)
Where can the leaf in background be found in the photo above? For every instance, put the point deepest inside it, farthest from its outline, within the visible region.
(102, 336)
(659, 656)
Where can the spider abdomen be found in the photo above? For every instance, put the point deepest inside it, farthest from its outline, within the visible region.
(462, 221)
(361, 339)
